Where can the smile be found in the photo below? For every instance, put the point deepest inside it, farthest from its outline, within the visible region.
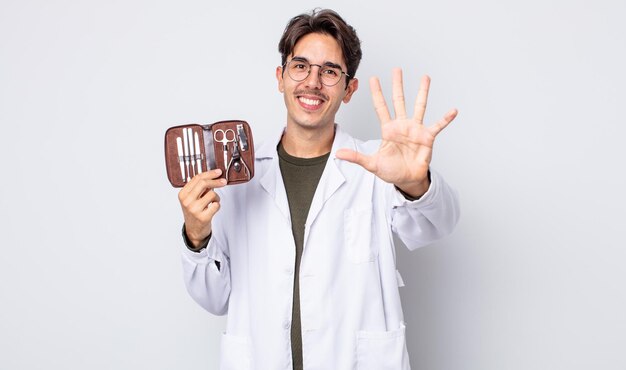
(313, 102)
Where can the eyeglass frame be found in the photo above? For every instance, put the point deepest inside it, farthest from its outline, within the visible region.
(319, 72)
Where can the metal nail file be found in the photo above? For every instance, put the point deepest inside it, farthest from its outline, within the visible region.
(198, 155)
(181, 159)
(243, 139)
(209, 152)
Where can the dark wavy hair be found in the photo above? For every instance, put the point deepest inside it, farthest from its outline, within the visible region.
(324, 21)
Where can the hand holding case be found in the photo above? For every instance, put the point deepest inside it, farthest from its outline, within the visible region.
(194, 148)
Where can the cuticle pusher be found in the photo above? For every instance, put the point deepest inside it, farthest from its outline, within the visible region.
(198, 154)
(186, 149)
(192, 154)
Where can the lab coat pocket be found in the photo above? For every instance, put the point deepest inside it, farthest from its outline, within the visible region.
(358, 234)
(235, 353)
(384, 350)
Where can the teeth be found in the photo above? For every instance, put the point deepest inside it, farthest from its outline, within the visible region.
(310, 101)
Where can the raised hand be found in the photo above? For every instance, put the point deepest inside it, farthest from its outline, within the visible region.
(405, 152)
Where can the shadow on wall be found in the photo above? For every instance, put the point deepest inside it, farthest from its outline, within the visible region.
(434, 281)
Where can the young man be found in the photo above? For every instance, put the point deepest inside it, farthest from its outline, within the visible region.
(302, 257)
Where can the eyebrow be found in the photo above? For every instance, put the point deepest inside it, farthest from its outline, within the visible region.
(326, 64)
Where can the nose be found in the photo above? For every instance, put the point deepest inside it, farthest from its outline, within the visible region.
(314, 79)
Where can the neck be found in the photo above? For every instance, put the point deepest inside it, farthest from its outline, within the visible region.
(308, 143)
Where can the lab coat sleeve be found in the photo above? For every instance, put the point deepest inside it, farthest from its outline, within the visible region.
(207, 284)
(431, 217)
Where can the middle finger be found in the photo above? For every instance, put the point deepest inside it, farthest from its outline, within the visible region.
(398, 94)
(206, 199)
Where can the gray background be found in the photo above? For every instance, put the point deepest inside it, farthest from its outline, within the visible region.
(532, 278)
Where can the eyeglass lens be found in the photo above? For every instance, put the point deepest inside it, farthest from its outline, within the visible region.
(299, 70)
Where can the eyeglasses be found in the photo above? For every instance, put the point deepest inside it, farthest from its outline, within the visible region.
(299, 69)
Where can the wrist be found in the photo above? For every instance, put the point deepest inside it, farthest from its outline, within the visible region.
(414, 190)
(194, 244)
(198, 242)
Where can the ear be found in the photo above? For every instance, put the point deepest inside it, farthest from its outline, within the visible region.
(353, 86)
(279, 78)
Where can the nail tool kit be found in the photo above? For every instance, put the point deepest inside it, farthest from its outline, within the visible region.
(194, 148)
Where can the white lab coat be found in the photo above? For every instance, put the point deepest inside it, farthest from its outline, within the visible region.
(350, 304)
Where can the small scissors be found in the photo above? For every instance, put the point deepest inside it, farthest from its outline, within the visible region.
(223, 137)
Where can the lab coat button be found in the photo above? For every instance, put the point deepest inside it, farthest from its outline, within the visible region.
(287, 324)
(289, 271)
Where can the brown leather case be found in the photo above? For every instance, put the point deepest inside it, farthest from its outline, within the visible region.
(227, 145)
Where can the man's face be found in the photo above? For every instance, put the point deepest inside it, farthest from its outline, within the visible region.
(310, 104)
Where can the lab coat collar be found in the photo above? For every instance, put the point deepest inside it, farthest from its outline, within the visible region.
(267, 149)
(332, 177)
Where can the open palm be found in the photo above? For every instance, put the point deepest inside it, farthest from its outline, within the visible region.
(405, 152)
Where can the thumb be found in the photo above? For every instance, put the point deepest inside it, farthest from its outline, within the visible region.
(355, 157)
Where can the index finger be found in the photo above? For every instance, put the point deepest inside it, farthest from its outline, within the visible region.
(379, 101)
(201, 182)
(422, 99)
